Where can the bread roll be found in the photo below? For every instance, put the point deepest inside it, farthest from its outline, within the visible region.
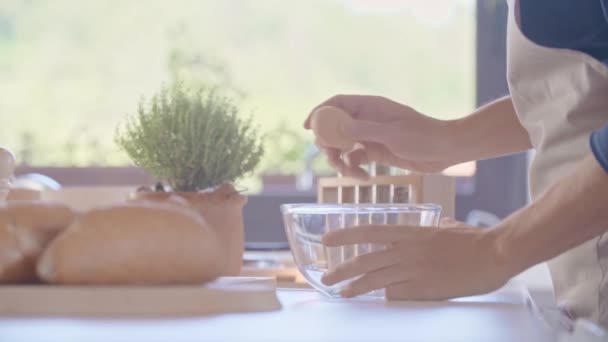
(133, 243)
(23, 194)
(222, 208)
(14, 265)
(26, 227)
(43, 219)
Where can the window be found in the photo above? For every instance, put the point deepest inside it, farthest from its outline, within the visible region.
(72, 69)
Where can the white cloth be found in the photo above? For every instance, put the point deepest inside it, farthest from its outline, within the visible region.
(560, 97)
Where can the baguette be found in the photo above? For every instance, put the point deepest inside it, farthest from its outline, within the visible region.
(133, 243)
(26, 227)
(14, 265)
(23, 194)
(43, 219)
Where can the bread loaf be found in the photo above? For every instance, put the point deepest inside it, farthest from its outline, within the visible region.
(222, 209)
(14, 265)
(133, 243)
(43, 219)
(26, 227)
(23, 194)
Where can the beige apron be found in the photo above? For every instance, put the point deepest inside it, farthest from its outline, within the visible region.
(561, 96)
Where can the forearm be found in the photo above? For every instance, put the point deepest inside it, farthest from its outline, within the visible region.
(571, 212)
(491, 131)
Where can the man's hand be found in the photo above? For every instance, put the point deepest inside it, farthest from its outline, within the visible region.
(394, 134)
(420, 263)
(388, 133)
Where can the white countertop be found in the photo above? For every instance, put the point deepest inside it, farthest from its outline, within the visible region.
(308, 316)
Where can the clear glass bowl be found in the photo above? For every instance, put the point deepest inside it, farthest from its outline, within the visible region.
(305, 225)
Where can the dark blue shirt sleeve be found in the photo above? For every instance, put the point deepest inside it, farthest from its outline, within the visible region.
(599, 146)
(580, 25)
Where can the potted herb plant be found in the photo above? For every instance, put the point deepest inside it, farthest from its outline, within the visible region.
(195, 141)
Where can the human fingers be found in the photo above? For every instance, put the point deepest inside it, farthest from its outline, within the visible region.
(334, 157)
(375, 280)
(375, 152)
(354, 159)
(416, 289)
(361, 107)
(341, 101)
(359, 265)
(381, 154)
(390, 158)
(422, 288)
(338, 163)
(381, 234)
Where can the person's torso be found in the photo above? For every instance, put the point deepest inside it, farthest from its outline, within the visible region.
(559, 47)
(560, 94)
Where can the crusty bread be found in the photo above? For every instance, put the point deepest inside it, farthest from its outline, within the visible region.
(14, 265)
(222, 208)
(23, 194)
(133, 243)
(43, 219)
(26, 227)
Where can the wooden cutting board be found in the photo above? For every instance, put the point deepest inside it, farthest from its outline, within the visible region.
(225, 295)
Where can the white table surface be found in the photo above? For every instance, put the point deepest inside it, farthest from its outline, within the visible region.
(308, 316)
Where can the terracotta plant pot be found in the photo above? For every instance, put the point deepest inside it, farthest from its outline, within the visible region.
(222, 208)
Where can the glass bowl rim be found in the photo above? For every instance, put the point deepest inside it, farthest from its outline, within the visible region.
(336, 208)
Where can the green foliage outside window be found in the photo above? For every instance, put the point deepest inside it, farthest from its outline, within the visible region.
(71, 70)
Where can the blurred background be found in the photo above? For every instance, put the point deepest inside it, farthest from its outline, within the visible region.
(70, 71)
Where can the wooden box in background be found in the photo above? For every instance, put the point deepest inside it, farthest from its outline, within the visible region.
(386, 187)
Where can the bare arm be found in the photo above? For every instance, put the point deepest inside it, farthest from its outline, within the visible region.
(571, 212)
(422, 263)
(430, 264)
(394, 134)
(491, 131)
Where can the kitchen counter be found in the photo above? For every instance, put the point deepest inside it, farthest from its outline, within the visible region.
(308, 316)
